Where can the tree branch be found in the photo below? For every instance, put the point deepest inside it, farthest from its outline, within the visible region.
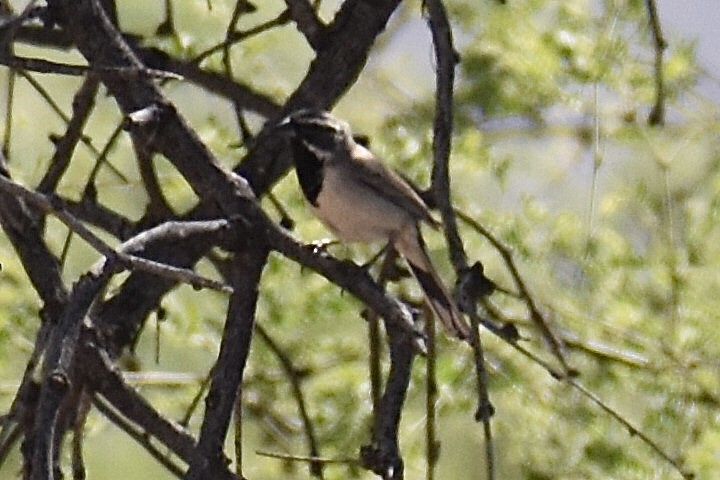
(101, 375)
(446, 58)
(382, 456)
(657, 114)
(245, 272)
(56, 370)
(307, 22)
(83, 104)
(170, 229)
(23, 228)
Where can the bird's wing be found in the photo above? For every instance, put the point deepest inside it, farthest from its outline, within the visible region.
(377, 176)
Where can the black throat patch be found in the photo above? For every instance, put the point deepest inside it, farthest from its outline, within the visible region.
(309, 170)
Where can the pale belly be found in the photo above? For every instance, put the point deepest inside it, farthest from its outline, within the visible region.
(358, 214)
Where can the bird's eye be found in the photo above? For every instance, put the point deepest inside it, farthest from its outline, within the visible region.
(321, 136)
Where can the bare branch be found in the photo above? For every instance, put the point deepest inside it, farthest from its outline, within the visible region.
(293, 376)
(104, 377)
(101, 375)
(657, 115)
(23, 228)
(535, 314)
(382, 456)
(446, 58)
(351, 278)
(17, 421)
(56, 108)
(40, 65)
(235, 37)
(298, 458)
(307, 22)
(228, 371)
(632, 430)
(485, 409)
(83, 104)
(432, 444)
(46, 205)
(56, 371)
(139, 436)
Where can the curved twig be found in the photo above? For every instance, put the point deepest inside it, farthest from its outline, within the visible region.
(294, 377)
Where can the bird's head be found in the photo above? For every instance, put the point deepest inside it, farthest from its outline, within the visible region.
(317, 131)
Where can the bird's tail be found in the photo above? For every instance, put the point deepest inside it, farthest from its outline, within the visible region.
(411, 246)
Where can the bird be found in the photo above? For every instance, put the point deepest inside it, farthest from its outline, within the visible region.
(360, 199)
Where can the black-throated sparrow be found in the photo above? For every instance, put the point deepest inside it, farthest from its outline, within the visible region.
(362, 200)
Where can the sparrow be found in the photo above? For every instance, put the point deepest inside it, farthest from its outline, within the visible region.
(360, 199)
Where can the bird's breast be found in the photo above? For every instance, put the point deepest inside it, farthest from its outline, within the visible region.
(355, 212)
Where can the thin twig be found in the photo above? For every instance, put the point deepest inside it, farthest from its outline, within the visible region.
(138, 435)
(7, 133)
(184, 275)
(238, 37)
(432, 444)
(446, 58)
(293, 375)
(241, 7)
(39, 65)
(632, 429)
(657, 114)
(58, 111)
(561, 377)
(82, 105)
(185, 421)
(485, 409)
(102, 158)
(536, 316)
(157, 207)
(299, 458)
(238, 436)
(597, 162)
